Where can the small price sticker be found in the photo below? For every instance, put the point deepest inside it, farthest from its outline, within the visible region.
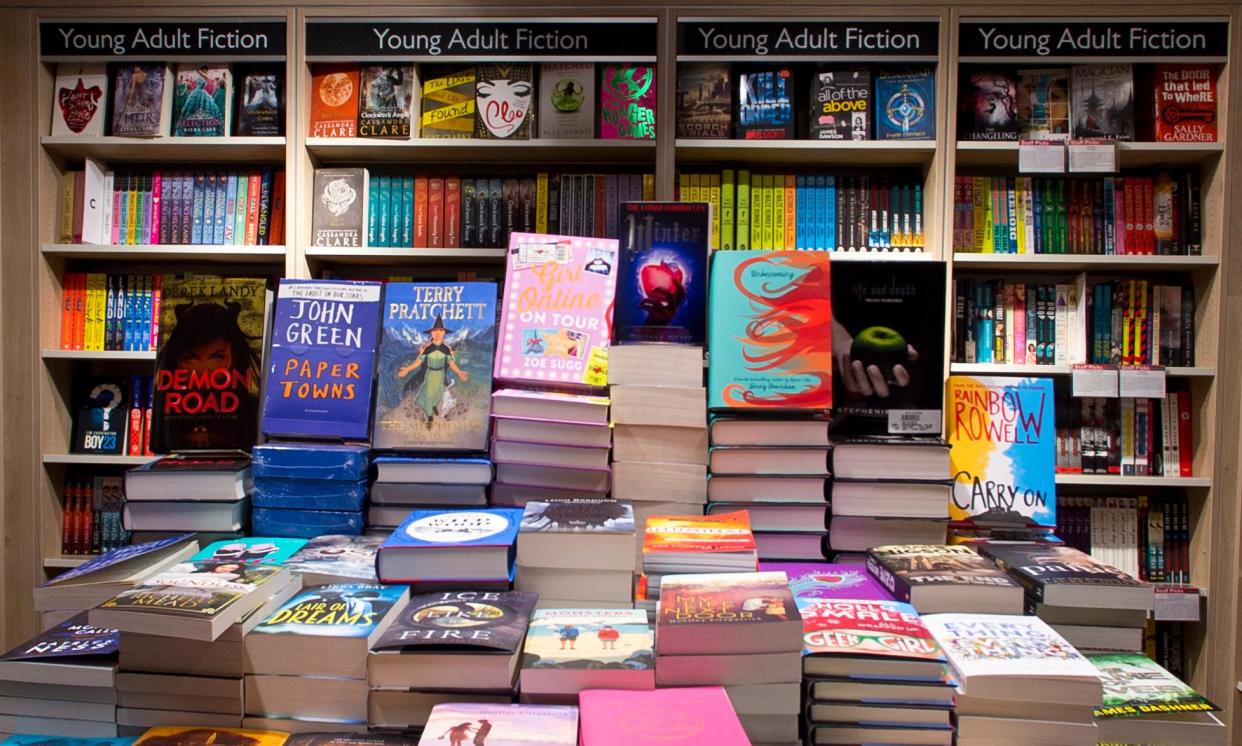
(1176, 603)
(913, 421)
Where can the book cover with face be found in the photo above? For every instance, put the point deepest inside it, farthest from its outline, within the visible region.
(504, 97)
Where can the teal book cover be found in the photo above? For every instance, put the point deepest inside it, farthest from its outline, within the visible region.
(770, 331)
(252, 550)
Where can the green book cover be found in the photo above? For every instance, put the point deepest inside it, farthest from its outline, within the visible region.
(743, 209)
(727, 209)
(406, 237)
(383, 187)
(1135, 685)
(239, 216)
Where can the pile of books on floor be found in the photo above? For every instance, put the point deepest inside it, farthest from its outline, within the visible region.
(549, 445)
(188, 493)
(568, 651)
(307, 490)
(577, 553)
(680, 544)
(407, 483)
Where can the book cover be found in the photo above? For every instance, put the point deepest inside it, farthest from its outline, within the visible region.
(141, 99)
(841, 104)
(627, 102)
(679, 716)
(889, 343)
(486, 621)
(318, 461)
(704, 105)
(334, 100)
(435, 358)
(201, 736)
(1036, 566)
(771, 331)
(1043, 103)
(385, 100)
(689, 534)
(765, 103)
(1003, 451)
(813, 581)
(989, 106)
(26, 739)
(1135, 685)
(250, 550)
(423, 529)
(557, 310)
(566, 100)
(1102, 100)
(347, 739)
(339, 556)
(73, 638)
(662, 273)
(589, 638)
(728, 598)
(118, 556)
(194, 589)
(1007, 645)
(338, 213)
(322, 359)
(261, 101)
(503, 96)
(79, 100)
(1185, 103)
(501, 725)
(577, 515)
(863, 627)
(341, 610)
(901, 567)
(448, 103)
(208, 366)
(905, 104)
(202, 101)
(100, 422)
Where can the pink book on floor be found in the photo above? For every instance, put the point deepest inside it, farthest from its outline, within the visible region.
(660, 717)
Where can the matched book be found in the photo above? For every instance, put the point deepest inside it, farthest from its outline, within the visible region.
(99, 579)
(988, 105)
(1186, 103)
(101, 422)
(501, 724)
(566, 100)
(1143, 702)
(1043, 103)
(725, 613)
(662, 274)
(73, 641)
(568, 650)
(1058, 575)
(1102, 101)
(250, 550)
(448, 108)
(680, 716)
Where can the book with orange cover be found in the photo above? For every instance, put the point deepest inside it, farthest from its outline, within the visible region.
(421, 195)
(688, 543)
(334, 101)
(727, 612)
(197, 735)
(68, 288)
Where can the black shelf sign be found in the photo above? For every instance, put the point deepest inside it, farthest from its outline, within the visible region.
(1161, 39)
(163, 39)
(745, 38)
(489, 39)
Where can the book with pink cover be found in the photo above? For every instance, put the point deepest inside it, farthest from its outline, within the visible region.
(815, 580)
(556, 310)
(659, 717)
(501, 725)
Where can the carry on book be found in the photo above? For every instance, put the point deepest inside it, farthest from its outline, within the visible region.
(662, 275)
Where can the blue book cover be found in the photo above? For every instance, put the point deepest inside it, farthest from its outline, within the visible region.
(222, 181)
(308, 494)
(662, 273)
(435, 366)
(322, 359)
(487, 527)
(252, 550)
(149, 550)
(306, 524)
(334, 461)
(72, 638)
(339, 610)
(197, 205)
(906, 104)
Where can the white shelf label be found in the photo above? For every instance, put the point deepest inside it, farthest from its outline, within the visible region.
(1176, 603)
(1092, 156)
(1041, 157)
(1095, 380)
(914, 422)
(1142, 381)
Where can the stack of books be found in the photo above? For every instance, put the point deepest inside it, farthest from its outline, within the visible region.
(309, 490)
(679, 544)
(1017, 676)
(407, 483)
(577, 553)
(734, 630)
(939, 578)
(459, 647)
(330, 559)
(189, 493)
(61, 682)
(500, 723)
(568, 651)
(306, 664)
(1144, 703)
(1093, 605)
(467, 549)
(549, 445)
(683, 716)
(871, 671)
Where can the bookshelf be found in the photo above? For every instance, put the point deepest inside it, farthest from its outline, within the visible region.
(176, 149)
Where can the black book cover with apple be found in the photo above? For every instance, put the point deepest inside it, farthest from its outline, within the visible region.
(888, 347)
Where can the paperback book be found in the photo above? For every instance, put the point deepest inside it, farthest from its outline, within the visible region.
(814, 581)
(74, 640)
(1186, 103)
(480, 620)
(101, 422)
(751, 612)
(989, 106)
(197, 735)
(334, 101)
(932, 576)
(336, 559)
(261, 101)
(566, 100)
(203, 101)
(1136, 686)
(1102, 101)
(339, 610)
(905, 102)
(448, 109)
(588, 639)
(765, 103)
(704, 107)
(627, 101)
(386, 100)
(141, 99)
(1044, 103)
(863, 627)
(504, 94)
(250, 550)
(1005, 645)
(501, 725)
(662, 275)
(80, 100)
(841, 104)
(339, 212)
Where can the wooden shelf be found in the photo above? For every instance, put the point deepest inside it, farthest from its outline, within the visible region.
(84, 459)
(170, 252)
(1128, 153)
(993, 369)
(176, 149)
(97, 355)
(566, 154)
(1084, 262)
(1113, 480)
(65, 563)
(882, 256)
(853, 152)
(404, 255)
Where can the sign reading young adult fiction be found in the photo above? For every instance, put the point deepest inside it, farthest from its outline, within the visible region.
(162, 39)
(1172, 39)
(632, 40)
(743, 37)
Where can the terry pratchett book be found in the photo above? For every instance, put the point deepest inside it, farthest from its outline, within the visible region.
(435, 358)
(662, 281)
(556, 312)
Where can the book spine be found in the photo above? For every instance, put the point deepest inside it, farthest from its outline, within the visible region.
(541, 202)
(264, 223)
(743, 209)
(893, 582)
(728, 209)
(452, 212)
(435, 213)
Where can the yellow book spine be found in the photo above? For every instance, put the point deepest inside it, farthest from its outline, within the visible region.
(756, 211)
(983, 226)
(778, 212)
(93, 338)
(66, 207)
(744, 213)
(696, 188)
(648, 187)
(683, 187)
(727, 208)
(713, 194)
(541, 203)
(769, 212)
(131, 216)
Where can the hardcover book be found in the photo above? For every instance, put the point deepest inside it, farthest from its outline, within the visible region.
(101, 422)
(311, 461)
(589, 638)
(339, 211)
(556, 314)
(336, 558)
(74, 640)
(765, 104)
(448, 103)
(1049, 571)
(195, 589)
(1186, 103)
(208, 366)
(1005, 645)
(1102, 100)
(503, 97)
(1003, 451)
(1044, 103)
(1136, 686)
(339, 610)
(679, 716)
(989, 106)
(334, 100)
(428, 546)
(261, 101)
(198, 736)
(734, 612)
(203, 101)
(501, 725)
(322, 359)
(771, 331)
(141, 99)
(566, 100)
(890, 381)
(704, 107)
(662, 274)
(872, 628)
(627, 101)
(577, 515)
(902, 568)
(684, 535)
(435, 360)
(905, 104)
(80, 100)
(250, 550)
(841, 104)
(485, 621)
(385, 100)
(814, 581)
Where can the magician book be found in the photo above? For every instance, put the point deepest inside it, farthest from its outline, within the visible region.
(662, 276)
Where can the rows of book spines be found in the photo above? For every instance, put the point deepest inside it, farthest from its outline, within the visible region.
(1131, 437)
(91, 518)
(110, 312)
(1150, 535)
(216, 208)
(480, 212)
(1110, 215)
(820, 212)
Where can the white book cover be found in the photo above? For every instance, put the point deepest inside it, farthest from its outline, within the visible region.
(79, 100)
(1004, 645)
(566, 100)
(96, 197)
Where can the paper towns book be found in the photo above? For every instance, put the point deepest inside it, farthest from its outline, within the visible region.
(770, 331)
(500, 725)
(589, 638)
(141, 99)
(662, 280)
(556, 312)
(203, 101)
(627, 101)
(209, 363)
(1003, 451)
(435, 366)
(322, 359)
(79, 100)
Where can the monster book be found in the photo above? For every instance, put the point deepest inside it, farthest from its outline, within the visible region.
(704, 101)
(203, 101)
(322, 359)
(503, 99)
(841, 104)
(989, 106)
(334, 101)
(448, 103)
(208, 366)
(627, 102)
(662, 275)
(905, 104)
(566, 100)
(80, 100)
(386, 100)
(765, 103)
(101, 421)
(607, 649)
(1102, 101)
(339, 211)
(141, 99)
(435, 366)
(261, 101)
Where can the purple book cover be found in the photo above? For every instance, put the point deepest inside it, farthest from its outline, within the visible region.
(627, 101)
(819, 580)
(322, 359)
(72, 638)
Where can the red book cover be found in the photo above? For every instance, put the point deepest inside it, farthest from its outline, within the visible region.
(133, 442)
(686, 534)
(66, 519)
(157, 282)
(452, 212)
(79, 519)
(1185, 98)
(435, 213)
(334, 100)
(421, 231)
(68, 288)
(147, 412)
(1132, 244)
(1149, 216)
(1119, 217)
(1185, 434)
(276, 226)
(1073, 215)
(79, 313)
(252, 208)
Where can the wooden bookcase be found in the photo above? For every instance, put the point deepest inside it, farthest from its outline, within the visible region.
(36, 377)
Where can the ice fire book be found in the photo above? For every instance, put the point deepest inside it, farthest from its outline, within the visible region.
(662, 280)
